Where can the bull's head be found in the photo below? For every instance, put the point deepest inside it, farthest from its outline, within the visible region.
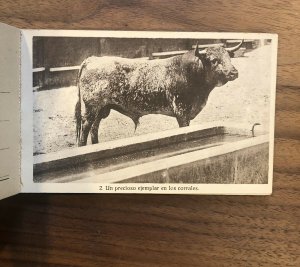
(217, 63)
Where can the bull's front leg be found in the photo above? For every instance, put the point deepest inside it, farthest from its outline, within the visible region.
(183, 121)
(181, 113)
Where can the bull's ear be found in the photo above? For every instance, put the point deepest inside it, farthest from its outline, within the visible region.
(231, 54)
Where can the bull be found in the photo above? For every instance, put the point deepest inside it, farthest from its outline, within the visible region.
(178, 86)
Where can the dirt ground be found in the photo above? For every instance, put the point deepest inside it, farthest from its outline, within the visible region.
(245, 100)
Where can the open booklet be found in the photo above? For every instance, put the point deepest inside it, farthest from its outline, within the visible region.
(136, 112)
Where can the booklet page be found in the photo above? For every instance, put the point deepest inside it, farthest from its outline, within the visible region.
(9, 111)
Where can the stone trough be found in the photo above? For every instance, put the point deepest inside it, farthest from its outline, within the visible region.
(211, 153)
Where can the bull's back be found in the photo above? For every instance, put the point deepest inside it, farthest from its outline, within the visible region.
(113, 70)
(123, 77)
(135, 85)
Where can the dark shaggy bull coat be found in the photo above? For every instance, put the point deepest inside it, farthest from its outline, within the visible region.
(177, 87)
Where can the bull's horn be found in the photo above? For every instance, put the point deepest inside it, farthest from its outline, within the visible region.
(197, 52)
(232, 49)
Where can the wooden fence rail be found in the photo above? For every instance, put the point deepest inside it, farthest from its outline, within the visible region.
(66, 75)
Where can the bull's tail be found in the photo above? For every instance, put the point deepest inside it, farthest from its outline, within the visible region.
(78, 117)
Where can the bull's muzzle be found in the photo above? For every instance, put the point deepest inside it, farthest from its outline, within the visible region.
(232, 75)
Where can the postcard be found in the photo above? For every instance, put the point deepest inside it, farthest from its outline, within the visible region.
(137, 112)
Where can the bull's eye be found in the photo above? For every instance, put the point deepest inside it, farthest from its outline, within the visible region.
(214, 61)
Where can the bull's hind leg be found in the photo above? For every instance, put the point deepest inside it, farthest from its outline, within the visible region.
(94, 130)
(87, 121)
(102, 114)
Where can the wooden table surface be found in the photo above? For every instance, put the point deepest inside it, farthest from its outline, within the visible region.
(161, 230)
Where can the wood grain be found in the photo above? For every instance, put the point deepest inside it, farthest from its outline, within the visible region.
(145, 230)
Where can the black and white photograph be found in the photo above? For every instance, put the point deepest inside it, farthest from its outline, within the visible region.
(152, 110)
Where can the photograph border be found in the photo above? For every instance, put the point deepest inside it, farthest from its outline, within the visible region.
(27, 120)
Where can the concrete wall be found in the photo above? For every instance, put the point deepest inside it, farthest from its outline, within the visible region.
(245, 166)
